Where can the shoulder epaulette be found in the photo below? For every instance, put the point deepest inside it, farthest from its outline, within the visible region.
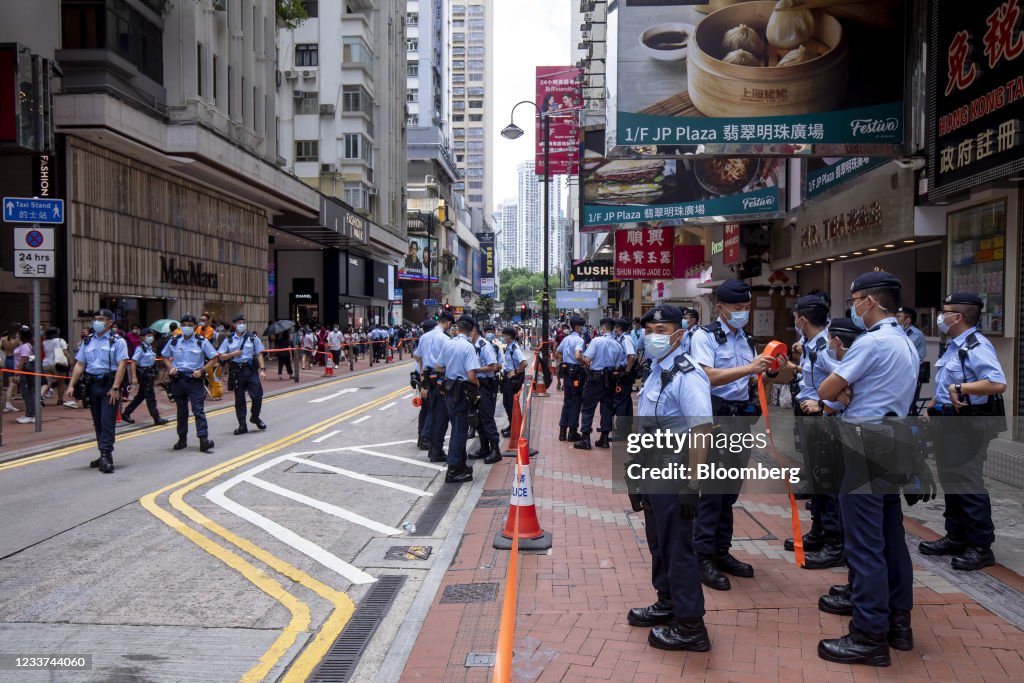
(715, 329)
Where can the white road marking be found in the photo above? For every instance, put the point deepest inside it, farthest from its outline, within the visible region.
(362, 477)
(409, 395)
(335, 395)
(390, 405)
(399, 458)
(327, 436)
(348, 448)
(362, 419)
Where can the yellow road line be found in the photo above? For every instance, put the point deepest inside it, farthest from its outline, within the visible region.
(343, 607)
(71, 450)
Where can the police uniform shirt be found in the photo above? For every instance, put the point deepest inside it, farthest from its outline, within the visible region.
(604, 352)
(881, 369)
(686, 344)
(250, 347)
(628, 348)
(733, 353)
(569, 346)
(144, 356)
(638, 336)
(188, 355)
(102, 353)
(813, 372)
(512, 357)
(917, 337)
(687, 395)
(981, 363)
(459, 358)
(486, 356)
(431, 348)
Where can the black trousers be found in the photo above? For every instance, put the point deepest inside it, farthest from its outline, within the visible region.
(284, 362)
(960, 460)
(508, 397)
(147, 393)
(104, 415)
(622, 402)
(572, 400)
(595, 394)
(247, 381)
(712, 531)
(190, 392)
(673, 560)
(438, 418)
(488, 430)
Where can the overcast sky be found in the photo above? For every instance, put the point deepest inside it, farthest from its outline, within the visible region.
(527, 34)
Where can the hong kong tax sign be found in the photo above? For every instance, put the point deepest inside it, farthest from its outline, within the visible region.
(976, 132)
(743, 78)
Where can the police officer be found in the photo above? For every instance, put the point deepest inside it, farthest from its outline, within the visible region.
(429, 354)
(726, 354)
(568, 354)
(244, 353)
(143, 375)
(676, 395)
(461, 387)
(622, 401)
(513, 369)
(100, 366)
(187, 358)
(969, 382)
(907, 318)
(691, 322)
(876, 378)
(423, 424)
(602, 356)
(487, 355)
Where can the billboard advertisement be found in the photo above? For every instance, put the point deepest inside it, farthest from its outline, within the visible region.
(487, 270)
(418, 261)
(823, 174)
(674, 191)
(758, 76)
(644, 254)
(559, 97)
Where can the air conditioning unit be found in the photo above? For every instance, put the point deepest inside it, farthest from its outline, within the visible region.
(307, 73)
(373, 192)
(290, 75)
(328, 168)
(220, 5)
(326, 109)
(296, 93)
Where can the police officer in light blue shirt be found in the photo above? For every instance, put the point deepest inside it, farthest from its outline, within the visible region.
(602, 356)
(691, 323)
(187, 358)
(676, 396)
(622, 401)
(568, 354)
(461, 386)
(907, 318)
(101, 364)
(514, 370)
(969, 383)
(876, 378)
(487, 354)
(243, 352)
(143, 370)
(430, 354)
(423, 423)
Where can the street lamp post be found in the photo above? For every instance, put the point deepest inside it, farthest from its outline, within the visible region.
(514, 132)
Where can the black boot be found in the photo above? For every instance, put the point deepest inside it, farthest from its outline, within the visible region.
(603, 442)
(813, 540)
(205, 444)
(482, 452)
(561, 433)
(458, 475)
(836, 604)
(583, 443)
(974, 558)
(96, 463)
(829, 556)
(106, 463)
(255, 419)
(182, 443)
(495, 455)
(900, 635)
(506, 432)
(856, 648)
(423, 444)
(942, 546)
(437, 455)
(160, 420)
(652, 615)
(710, 576)
(842, 590)
(127, 417)
(680, 635)
(242, 429)
(730, 565)
(573, 435)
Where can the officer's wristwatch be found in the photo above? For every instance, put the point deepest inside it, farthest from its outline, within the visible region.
(959, 389)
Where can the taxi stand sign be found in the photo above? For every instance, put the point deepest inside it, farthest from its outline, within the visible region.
(30, 210)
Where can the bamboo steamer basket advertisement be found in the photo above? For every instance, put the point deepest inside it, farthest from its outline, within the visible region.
(812, 77)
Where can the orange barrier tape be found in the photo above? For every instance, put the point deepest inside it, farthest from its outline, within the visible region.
(32, 374)
(798, 537)
(507, 630)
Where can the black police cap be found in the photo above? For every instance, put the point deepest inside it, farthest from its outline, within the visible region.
(964, 299)
(488, 328)
(104, 313)
(146, 330)
(238, 318)
(607, 321)
(429, 324)
(810, 302)
(907, 310)
(445, 315)
(577, 321)
(622, 323)
(733, 291)
(510, 331)
(467, 319)
(691, 311)
(843, 326)
(663, 313)
(188, 318)
(875, 280)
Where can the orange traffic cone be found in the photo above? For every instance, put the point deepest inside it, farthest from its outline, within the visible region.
(329, 366)
(521, 504)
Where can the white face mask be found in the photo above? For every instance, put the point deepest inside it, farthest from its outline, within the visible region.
(149, 340)
(658, 345)
(240, 328)
(739, 319)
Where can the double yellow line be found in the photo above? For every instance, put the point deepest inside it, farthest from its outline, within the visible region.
(342, 605)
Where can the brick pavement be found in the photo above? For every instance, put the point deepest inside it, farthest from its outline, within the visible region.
(573, 599)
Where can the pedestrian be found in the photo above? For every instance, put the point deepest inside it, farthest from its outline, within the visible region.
(677, 394)
(55, 362)
(187, 359)
(100, 368)
(132, 338)
(726, 353)
(143, 375)
(243, 353)
(602, 356)
(308, 349)
(431, 356)
(284, 357)
(10, 342)
(25, 361)
(876, 378)
(969, 383)
(569, 353)
(513, 374)
(334, 341)
(487, 356)
(461, 387)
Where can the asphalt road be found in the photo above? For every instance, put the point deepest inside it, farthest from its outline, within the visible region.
(241, 563)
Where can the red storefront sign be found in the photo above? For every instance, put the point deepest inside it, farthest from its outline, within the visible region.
(731, 251)
(559, 97)
(643, 254)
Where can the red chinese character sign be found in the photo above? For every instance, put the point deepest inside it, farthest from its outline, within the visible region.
(559, 97)
(977, 128)
(643, 254)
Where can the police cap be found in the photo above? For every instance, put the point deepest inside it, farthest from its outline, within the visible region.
(663, 313)
(188, 318)
(577, 321)
(810, 302)
(874, 280)
(104, 313)
(907, 310)
(607, 321)
(510, 331)
(488, 327)
(446, 315)
(146, 330)
(466, 319)
(733, 291)
(238, 318)
(622, 323)
(691, 311)
(843, 326)
(429, 324)
(964, 299)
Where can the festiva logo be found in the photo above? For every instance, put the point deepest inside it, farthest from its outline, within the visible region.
(874, 126)
(758, 202)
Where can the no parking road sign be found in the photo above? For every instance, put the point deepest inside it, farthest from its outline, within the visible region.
(34, 253)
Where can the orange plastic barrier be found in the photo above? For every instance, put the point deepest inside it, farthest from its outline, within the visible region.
(507, 629)
(798, 537)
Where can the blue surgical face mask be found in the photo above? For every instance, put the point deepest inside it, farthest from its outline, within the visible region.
(149, 340)
(686, 323)
(98, 326)
(856, 317)
(187, 331)
(240, 328)
(739, 319)
(490, 336)
(657, 346)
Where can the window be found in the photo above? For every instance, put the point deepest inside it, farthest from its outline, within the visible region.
(412, 69)
(459, 64)
(412, 95)
(412, 44)
(458, 10)
(476, 24)
(458, 51)
(458, 117)
(476, 104)
(476, 184)
(199, 68)
(458, 91)
(458, 78)
(231, 90)
(458, 23)
(412, 120)
(476, 146)
(357, 146)
(460, 133)
(459, 158)
(459, 37)
(356, 51)
(476, 77)
(412, 19)
(307, 150)
(354, 98)
(214, 93)
(476, 132)
(476, 36)
(477, 91)
(475, 172)
(473, 51)
(356, 195)
(476, 198)
(476, 158)
(312, 7)
(476, 65)
(459, 105)
(307, 103)
(94, 24)
(460, 144)
(307, 55)
(476, 117)
(476, 10)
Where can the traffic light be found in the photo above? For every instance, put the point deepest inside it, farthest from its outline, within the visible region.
(524, 312)
(448, 308)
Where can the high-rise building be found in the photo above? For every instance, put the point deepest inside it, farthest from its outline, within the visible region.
(472, 55)
(529, 243)
(509, 239)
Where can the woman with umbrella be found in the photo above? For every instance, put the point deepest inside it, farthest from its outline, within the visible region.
(278, 338)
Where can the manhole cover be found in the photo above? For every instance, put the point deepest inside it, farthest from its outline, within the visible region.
(493, 498)
(408, 552)
(485, 659)
(470, 592)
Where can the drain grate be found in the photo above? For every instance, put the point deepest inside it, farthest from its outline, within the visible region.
(408, 552)
(341, 659)
(485, 659)
(438, 505)
(493, 498)
(470, 592)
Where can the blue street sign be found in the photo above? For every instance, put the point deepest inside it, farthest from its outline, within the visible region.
(27, 210)
(430, 302)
